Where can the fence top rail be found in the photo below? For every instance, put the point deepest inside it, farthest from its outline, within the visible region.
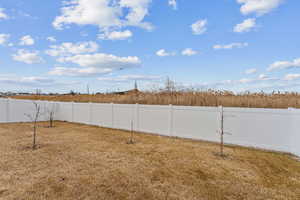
(26, 100)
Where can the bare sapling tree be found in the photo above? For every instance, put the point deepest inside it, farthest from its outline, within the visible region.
(34, 118)
(222, 132)
(131, 140)
(50, 113)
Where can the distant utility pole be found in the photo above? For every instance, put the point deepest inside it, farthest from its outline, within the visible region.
(88, 89)
(169, 85)
(38, 91)
(135, 85)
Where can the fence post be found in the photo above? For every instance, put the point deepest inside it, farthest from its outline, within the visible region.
(112, 115)
(7, 110)
(293, 145)
(57, 110)
(72, 111)
(221, 119)
(170, 120)
(137, 115)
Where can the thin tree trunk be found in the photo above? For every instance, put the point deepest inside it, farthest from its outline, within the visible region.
(34, 136)
(222, 133)
(51, 120)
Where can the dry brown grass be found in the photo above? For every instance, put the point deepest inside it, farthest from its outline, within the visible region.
(209, 98)
(84, 162)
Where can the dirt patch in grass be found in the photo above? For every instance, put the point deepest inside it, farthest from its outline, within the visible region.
(84, 162)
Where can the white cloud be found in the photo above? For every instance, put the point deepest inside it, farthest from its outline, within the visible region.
(189, 52)
(86, 12)
(138, 9)
(245, 80)
(51, 39)
(125, 78)
(68, 48)
(28, 57)
(260, 78)
(284, 65)
(261, 82)
(84, 34)
(94, 64)
(251, 71)
(245, 84)
(259, 7)
(33, 81)
(199, 27)
(4, 38)
(163, 53)
(30, 80)
(2, 14)
(106, 14)
(79, 72)
(245, 26)
(291, 77)
(103, 61)
(264, 77)
(230, 46)
(115, 35)
(173, 3)
(26, 40)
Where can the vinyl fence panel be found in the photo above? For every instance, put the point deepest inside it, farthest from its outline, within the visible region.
(123, 116)
(196, 122)
(154, 119)
(263, 128)
(3, 110)
(272, 129)
(65, 111)
(20, 110)
(81, 113)
(101, 115)
(295, 132)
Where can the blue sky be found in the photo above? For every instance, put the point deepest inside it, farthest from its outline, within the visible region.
(238, 45)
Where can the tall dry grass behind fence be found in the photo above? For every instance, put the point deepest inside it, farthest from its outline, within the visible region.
(187, 98)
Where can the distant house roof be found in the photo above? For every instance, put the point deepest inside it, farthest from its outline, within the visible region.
(134, 91)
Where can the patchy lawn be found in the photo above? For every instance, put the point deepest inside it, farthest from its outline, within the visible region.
(85, 162)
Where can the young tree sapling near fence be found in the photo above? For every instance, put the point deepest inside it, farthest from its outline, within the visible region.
(131, 140)
(222, 132)
(34, 118)
(50, 113)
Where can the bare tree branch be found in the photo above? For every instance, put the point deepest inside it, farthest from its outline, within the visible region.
(34, 118)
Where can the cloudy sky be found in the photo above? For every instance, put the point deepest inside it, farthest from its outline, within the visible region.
(235, 45)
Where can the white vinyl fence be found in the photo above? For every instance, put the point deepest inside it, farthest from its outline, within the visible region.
(272, 129)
